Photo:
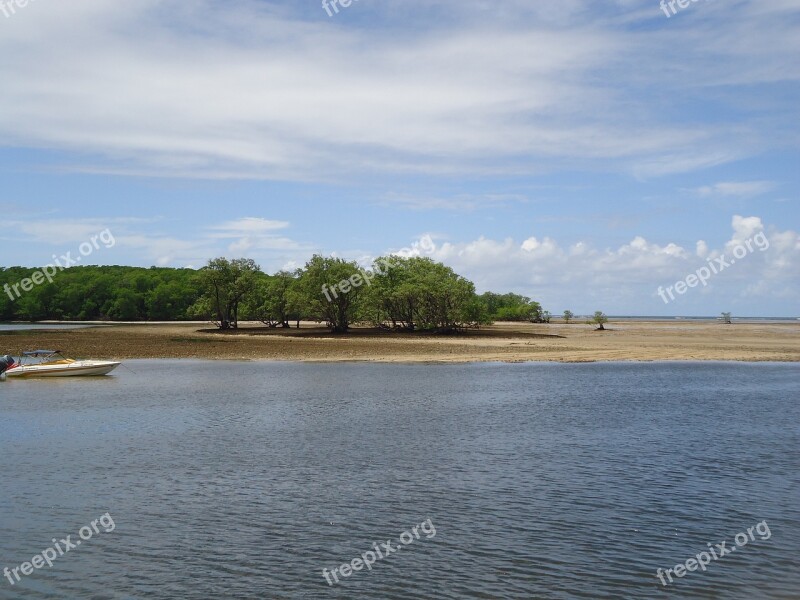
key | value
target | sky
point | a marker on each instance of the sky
(585, 154)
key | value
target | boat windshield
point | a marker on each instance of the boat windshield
(41, 357)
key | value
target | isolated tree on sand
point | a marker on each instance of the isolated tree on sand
(568, 314)
(599, 319)
(726, 318)
(537, 314)
(226, 284)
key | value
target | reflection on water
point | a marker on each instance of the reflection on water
(246, 480)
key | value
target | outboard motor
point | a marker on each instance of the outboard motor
(6, 362)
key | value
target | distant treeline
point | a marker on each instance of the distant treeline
(396, 293)
(100, 293)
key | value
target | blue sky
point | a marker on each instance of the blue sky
(582, 153)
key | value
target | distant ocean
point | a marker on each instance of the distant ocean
(29, 326)
(710, 319)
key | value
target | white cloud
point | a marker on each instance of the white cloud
(745, 227)
(261, 90)
(162, 250)
(626, 278)
(248, 226)
(137, 241)
(459, 203)
(65, 231)
(255, 234)
(740, 189)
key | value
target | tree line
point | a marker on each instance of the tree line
(90, 293)
(396, 293)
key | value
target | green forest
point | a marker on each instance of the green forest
(409, 294)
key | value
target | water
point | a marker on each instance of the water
(39, 326)
(245, 480)
(717, 319)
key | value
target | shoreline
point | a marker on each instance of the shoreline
(623, 341)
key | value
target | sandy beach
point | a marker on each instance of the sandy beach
(504, 342)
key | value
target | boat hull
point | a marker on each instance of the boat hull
(76, 369)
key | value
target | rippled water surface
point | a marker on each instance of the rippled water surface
(245, 480)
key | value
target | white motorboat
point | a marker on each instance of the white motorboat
(53, 364)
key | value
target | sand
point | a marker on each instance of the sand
(504, 342)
